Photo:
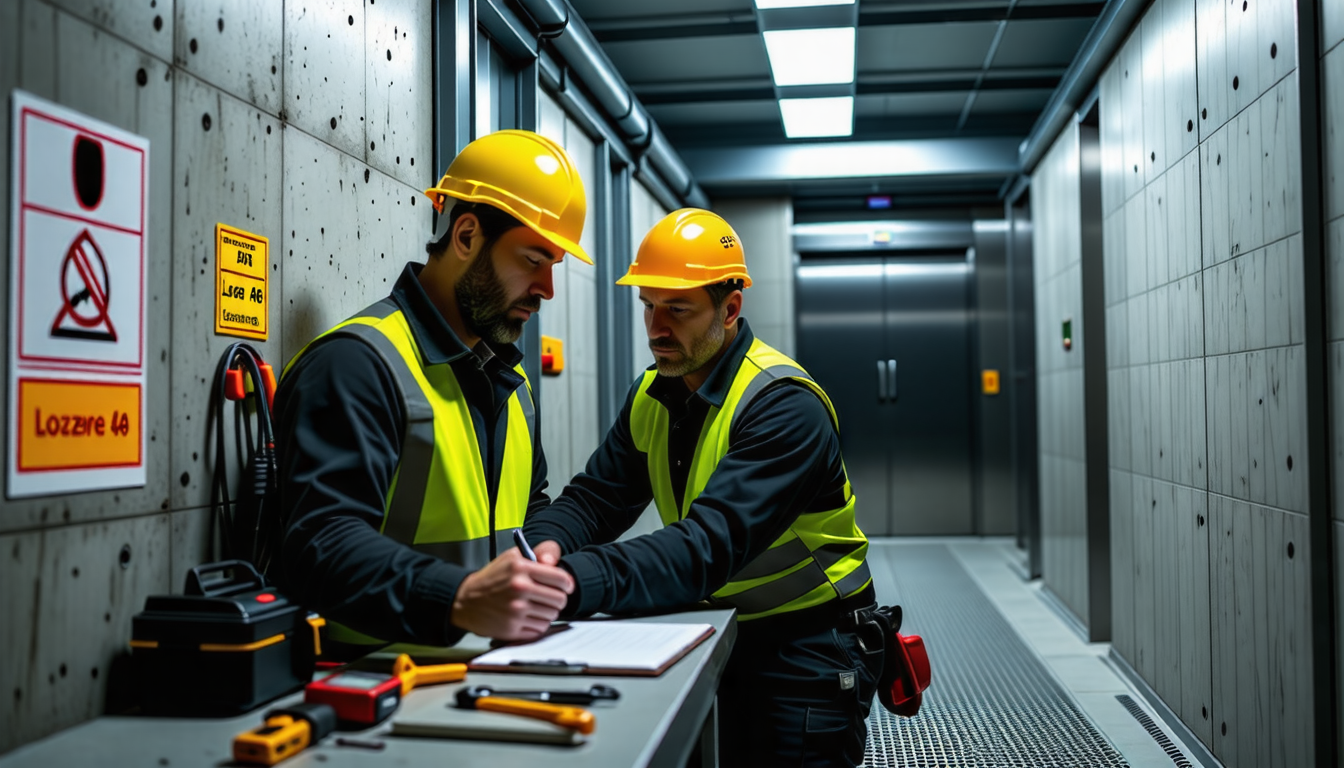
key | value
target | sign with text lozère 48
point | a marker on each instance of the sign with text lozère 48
(77, 302)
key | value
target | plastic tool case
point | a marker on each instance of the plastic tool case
(228, 645)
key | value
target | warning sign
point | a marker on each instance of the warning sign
(241, 286)
(61, 428)
(77, 302)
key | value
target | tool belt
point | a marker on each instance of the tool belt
(905, 671)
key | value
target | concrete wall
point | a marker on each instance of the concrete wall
(309, 123)
(1201, 140)
(1058, 253)
(1332, 89)
(765, 226)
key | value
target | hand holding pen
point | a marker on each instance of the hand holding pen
(511, 598)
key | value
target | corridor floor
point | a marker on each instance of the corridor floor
(1013, 683)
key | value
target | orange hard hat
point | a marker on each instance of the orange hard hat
(687, 249)
(527, 176)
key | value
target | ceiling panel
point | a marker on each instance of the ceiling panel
(1041, 42)
(715, 113)
(910, 104)
(690, 58)
(601, 10)
(924, 47)
(1010, 101)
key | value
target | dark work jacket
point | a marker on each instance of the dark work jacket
(339, 427)
(783, 459)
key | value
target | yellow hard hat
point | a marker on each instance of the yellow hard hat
(527, 176)
(687, 249)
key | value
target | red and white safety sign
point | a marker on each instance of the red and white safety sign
(77, 302)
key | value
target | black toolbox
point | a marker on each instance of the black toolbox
(230, 644)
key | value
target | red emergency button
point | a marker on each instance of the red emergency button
(266, 597)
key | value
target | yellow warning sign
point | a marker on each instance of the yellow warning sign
(77, 425)
(241, 283)
(989, 381)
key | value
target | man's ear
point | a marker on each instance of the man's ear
(466, 234)
(732, 307)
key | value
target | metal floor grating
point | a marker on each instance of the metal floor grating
(993, 704)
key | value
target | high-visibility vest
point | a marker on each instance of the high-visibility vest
(439, 502)
(821, 557)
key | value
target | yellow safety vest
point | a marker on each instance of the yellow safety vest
(438, 502)
(820, 558)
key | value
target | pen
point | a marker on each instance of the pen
(523, 545)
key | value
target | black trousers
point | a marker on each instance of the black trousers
(796, 698)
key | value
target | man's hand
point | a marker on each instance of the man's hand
(511, 598)
(547, 552)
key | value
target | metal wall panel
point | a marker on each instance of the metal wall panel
(1131, 95)
(399, 54)
(62, 58)
(1213, 79)
(79, 599)
(1332, 129)
(1152, 31)
(1112, 133)
(147, 26)
(1332, 24)
(1281, 151)
(226, 173)
(1122, 561)
(238, 48)
(325, 67)
(1337, 435)
(1215, 179)
(1179, 84)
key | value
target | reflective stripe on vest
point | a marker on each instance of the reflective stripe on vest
(439, 502)
(822, 555)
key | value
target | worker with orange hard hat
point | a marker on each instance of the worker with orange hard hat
(739, 449)
(407, 434)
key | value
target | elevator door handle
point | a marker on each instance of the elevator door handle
(892, 390)
(881, 381)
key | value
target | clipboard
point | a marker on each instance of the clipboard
(620, 648)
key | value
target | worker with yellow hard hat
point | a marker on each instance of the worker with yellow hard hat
(739, 449)
(407, 434)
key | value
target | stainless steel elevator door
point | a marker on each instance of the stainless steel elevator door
(889, 339)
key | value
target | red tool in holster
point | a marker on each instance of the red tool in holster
(905, 671)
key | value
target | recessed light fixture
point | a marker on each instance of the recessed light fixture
(814, 118)
(811, 56)
(766, 5)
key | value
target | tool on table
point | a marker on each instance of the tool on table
(229, 644)
(364, 699)
(596, 692)
(359, 698)
(287, 732)
(575, 718)
(413, 676)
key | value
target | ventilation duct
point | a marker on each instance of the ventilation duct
(589, 65)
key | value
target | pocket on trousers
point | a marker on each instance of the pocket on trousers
(829, 739)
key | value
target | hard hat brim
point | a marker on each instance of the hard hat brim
(563, 243)
(676, 283)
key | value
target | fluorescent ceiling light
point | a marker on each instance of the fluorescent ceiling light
(766, 5)
(808, 118)
(811, 56)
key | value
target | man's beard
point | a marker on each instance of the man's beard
(485, 305)
(703, 349)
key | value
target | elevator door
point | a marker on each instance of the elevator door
(889, 339)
